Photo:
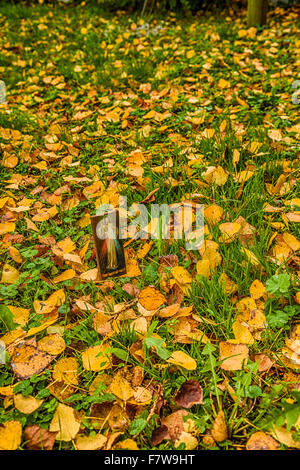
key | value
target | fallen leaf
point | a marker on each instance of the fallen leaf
(257, 289)
(261, 441)
(52, 344)
(182, 359)
(27, 360)
(26, 404)
(151, 299)
(83, 442)
(96, 358)
(233, 356)
(10, 435)
(38, 438)
(9, 274)
(64, 423)
(219, 430)
(189, 394)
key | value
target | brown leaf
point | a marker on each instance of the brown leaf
(159, 435)
(264, 362)
(174, 423)
(189, 394)
(38, 438)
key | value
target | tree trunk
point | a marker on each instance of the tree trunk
(257, 12)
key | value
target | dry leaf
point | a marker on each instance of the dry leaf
(233, 356)
(151, 299)
(261, 441)
(96, 358)
(52, 344)
(64, 422)
(182, 359)
(27, 404)
(189, 394)
(219, 430)
(27, 360)
(83, 442)
(38, 438)
(10, 435)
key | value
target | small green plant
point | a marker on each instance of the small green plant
(279, 284)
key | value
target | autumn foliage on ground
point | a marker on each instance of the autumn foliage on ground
(190, 349)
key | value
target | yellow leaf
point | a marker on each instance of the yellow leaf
(233, 356)
(213, 214)
(52, 344)
(181, 275)
(169, 311)
(20, 314)
(291, 241)
(121, 387)
(36, 329)
(54, 300)
(235, 156)
(188, 439)
(66, 275)
(10, 161)
(127, 444)
(31, 225)
(84, 221)
(7, 227)
(66, 370)
(9, 274)
(190, 54)
(219, 430)
(282, 435)
(223, 83)
(251, 256)
(208, 133)
(27, 404)
(15, 254)
(6, 391)
(83, 442)
(213, 256)
(96, 358)
(90, 275)
(180, 358)
(203, 268)
(144, 250)
(66, 245)
(254, 146)
(151, 298)
(10, 435)
(257, 289)
(150, 114)
(64, 423)
(229, 231)
(241, 333)
(243, 176)
(275, 134)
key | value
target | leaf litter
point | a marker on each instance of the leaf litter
(189, 350)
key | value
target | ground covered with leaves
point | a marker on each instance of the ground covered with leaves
(190, 349)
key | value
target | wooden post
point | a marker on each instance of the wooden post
(257, 12)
